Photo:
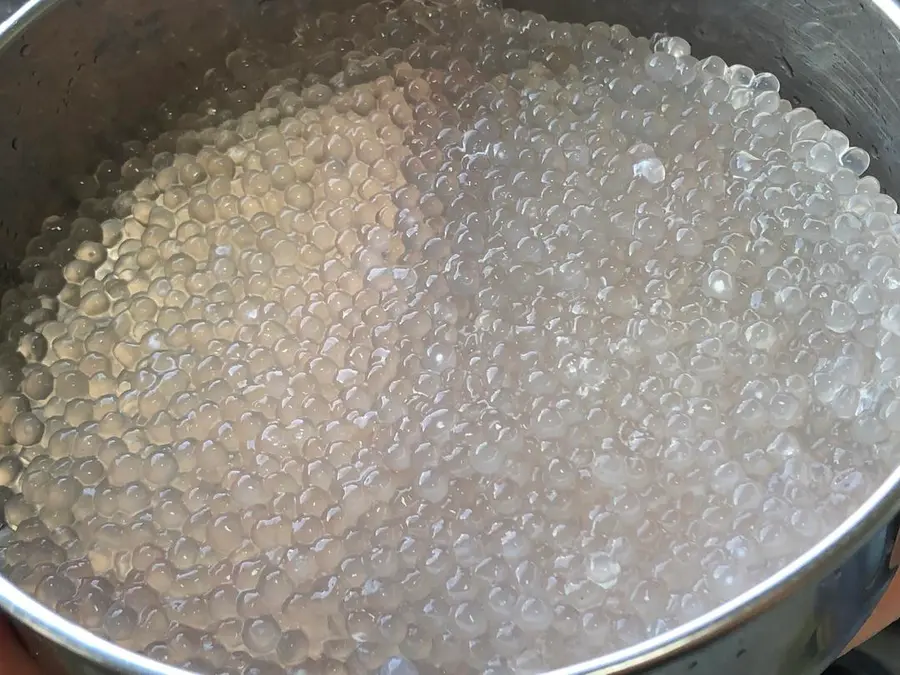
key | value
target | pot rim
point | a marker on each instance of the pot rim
(843, 541)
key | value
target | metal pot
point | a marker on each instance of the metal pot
(78, 76)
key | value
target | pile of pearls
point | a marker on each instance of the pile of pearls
(448, 340)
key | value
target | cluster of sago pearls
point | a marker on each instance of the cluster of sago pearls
(453, 340)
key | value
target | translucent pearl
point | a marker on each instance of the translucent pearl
(719, 285)
(603, 570)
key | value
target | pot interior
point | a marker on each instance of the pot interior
(69, 98)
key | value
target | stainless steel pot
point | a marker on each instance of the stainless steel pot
(78, 76)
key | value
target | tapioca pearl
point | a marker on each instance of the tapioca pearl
(174, 199)
(134, 498)
(299, 196)
(160, 468)
(283, 176)
(89, 471)
(124, 469)
(27, 429)
(67, 348)
(16, 510)
(71, 384)
(11, 468)
(261, 635)
(227, 205)
(293, 647)
(77, 271)
(225, 533)
(54, 590)
(218, 189)
(37, 382)
(62, 492)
